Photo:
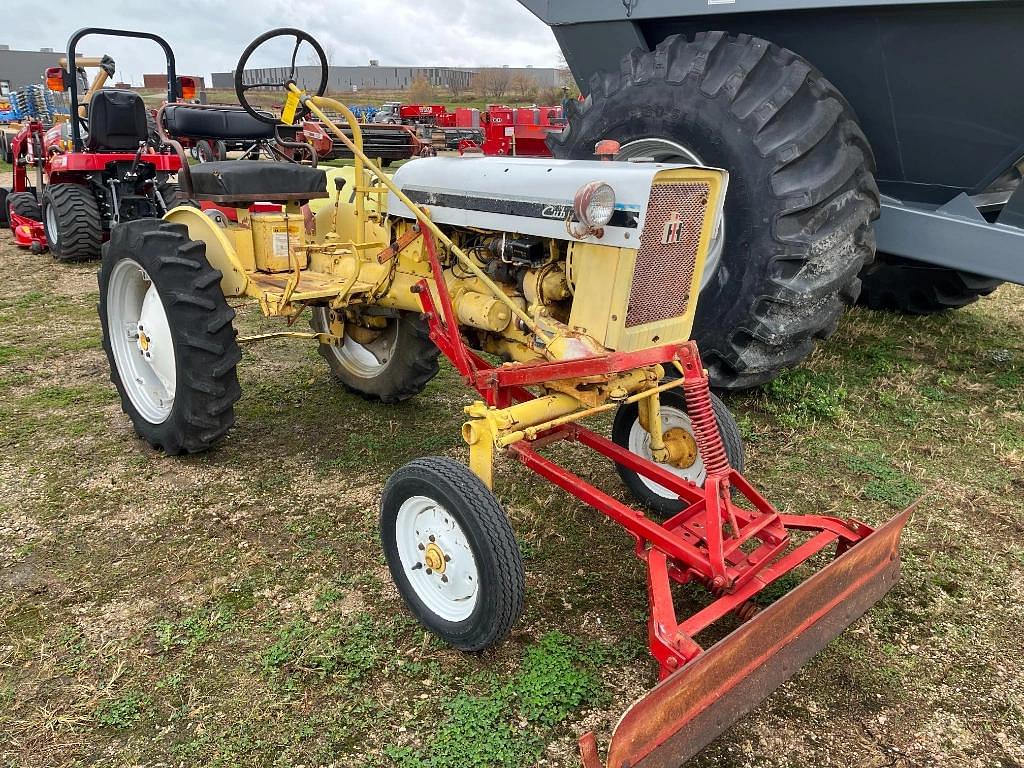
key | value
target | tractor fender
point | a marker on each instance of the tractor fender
(220, 251)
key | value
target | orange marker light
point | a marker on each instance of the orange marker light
(55, 78)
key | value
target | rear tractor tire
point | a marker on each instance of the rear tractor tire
(168, 335)
(390, 365)
(901, 285)
(5, 219)
(72, 222)
(627, 433)
(452, 553)
(801, 198)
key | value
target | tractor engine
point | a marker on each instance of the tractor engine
(606, 256)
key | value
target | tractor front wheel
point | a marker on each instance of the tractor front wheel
(390, 364)
(629, 434)
(71, 220)
(452, 553)
(24, 204)
(168, 336)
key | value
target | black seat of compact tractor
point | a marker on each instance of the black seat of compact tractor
(215, 123)
(247, 181)
(117, 121)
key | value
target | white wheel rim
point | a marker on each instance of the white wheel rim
(423, 527)
(640, 444)
(52, 233)
(665, 151)
(140, 338)
(363, 360)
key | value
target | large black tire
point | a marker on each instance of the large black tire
(801, 195)
(24, 204)
(901, 285)
(206, 352)
(408, 359)
(4, 218)
(501, 584)
(71, 220)
(656, 498)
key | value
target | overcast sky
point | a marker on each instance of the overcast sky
(209, 35)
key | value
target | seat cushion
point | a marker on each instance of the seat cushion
(250, 180)
(117, 121)
(232, 123)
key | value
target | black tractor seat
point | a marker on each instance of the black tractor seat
(117, 121)
(201, 122)
(249, 181)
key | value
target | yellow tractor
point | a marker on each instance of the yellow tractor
(559, 290)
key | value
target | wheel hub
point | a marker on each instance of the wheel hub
(434, 558)
(437, 558)
(682, 448)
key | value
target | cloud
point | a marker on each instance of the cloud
(209, 35)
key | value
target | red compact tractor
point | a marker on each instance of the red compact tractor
(77, 180)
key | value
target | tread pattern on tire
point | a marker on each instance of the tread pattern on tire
(25, 204)
(78, 220)
(201, 325)
(896, 284)
(509, 587)
(816, 180)
(412, 367)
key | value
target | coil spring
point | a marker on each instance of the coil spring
(705, 427)
(744, 612)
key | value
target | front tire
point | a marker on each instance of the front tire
(801, 195)
(452, 553)
(24, 204)
(395, 365)
(168, 336)
(902, 285)
(627, 433)
(71, 220)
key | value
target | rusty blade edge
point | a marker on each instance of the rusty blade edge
(694, 706)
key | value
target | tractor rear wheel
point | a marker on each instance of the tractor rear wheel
(801, 196)
(168, 336)
(627, 433)
(391, 364)
(452, 553)
(71, 220)
(24, 204)
(902, 285)
(4, 217)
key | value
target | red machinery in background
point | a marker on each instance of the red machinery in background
(498, 130)
(77, 180)
(517, 132)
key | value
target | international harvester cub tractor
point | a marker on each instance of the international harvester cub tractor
(582, 276)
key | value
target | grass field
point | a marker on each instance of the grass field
(234, 608)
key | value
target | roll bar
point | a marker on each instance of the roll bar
(172, 75)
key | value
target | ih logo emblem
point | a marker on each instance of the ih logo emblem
(675, 229)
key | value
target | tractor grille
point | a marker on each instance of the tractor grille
(668, 252)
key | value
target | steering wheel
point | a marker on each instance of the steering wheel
(300, 37)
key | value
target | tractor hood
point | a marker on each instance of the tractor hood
(529, 196)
